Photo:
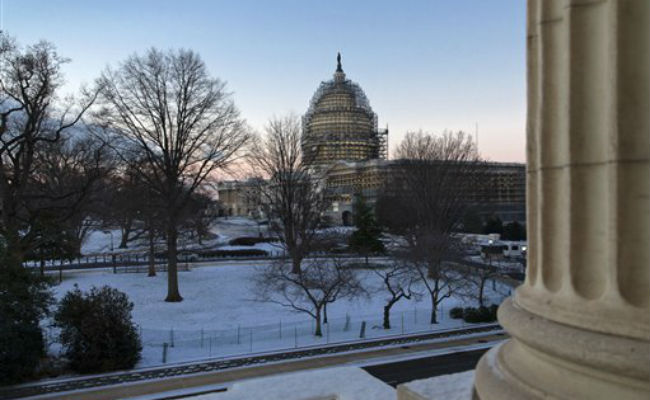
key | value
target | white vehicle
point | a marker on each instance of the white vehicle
(515, 249)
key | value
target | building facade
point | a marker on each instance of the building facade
(240, 198)
(502, 194)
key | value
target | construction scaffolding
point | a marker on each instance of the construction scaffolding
(340, 124)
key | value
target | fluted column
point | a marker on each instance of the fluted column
(580, 323)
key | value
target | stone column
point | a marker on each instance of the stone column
(580, 323)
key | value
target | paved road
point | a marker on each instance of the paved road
(406, 371)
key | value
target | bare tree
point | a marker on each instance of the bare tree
(292, 196)
(68, 175)
(397, 283)
(31, 118)
(166, 107)
(477, 278)
(198, 216)
(124, 201)
(430, 191)
(321, 282)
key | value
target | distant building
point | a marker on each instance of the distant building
(240, 198)
(503, 196)
(341, 138)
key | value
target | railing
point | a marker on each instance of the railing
(176, 344)
(134, 260)
(106, 261)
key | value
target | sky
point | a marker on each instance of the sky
(433, 65)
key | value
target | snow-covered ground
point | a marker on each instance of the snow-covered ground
(345, 383)
(218, 316)
(272, 248)
(224, 229)
(233, 227)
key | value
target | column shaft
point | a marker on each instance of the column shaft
(580, 323)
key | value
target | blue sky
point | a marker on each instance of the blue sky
(431, 65)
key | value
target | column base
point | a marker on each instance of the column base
(547, 360)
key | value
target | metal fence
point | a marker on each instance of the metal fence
(176, 344)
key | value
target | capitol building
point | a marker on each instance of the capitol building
(340, 124)
(341, 140)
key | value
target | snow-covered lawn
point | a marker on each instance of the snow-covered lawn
(99, 241)
(218, 316)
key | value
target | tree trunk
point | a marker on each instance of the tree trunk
(325, 313)
(14, 251)
(387, 315)
(126, 230)
(152, 255)
(295, 265)
(173, 294)
(480, 292)
(318, 331)
(434, 312)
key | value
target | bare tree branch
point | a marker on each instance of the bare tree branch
(166, 107)
(424, 202)
(292, 195)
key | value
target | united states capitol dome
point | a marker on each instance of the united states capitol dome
(340, 124)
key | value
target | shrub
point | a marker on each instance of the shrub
(21, 348)
(493, 311)
(191, 255)
(233, 253)
(480, 314)
(24, 300)
(97, 332)
(456, 313)
(251, 240)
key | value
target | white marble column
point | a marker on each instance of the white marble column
(580, 323)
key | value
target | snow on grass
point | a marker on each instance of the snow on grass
(239, 221)
(225, 229)
(99, 241)
(233, 227)
(218, 316)
(272, 248)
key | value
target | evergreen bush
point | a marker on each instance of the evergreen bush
(251, 240)
(97, 331)
(480, 314)
(366, 239)
(24, 300)
(456, 313)
(233, 253)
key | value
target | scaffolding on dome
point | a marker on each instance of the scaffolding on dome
(329, 143)
(382, 137)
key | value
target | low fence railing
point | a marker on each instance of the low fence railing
(176, 344)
